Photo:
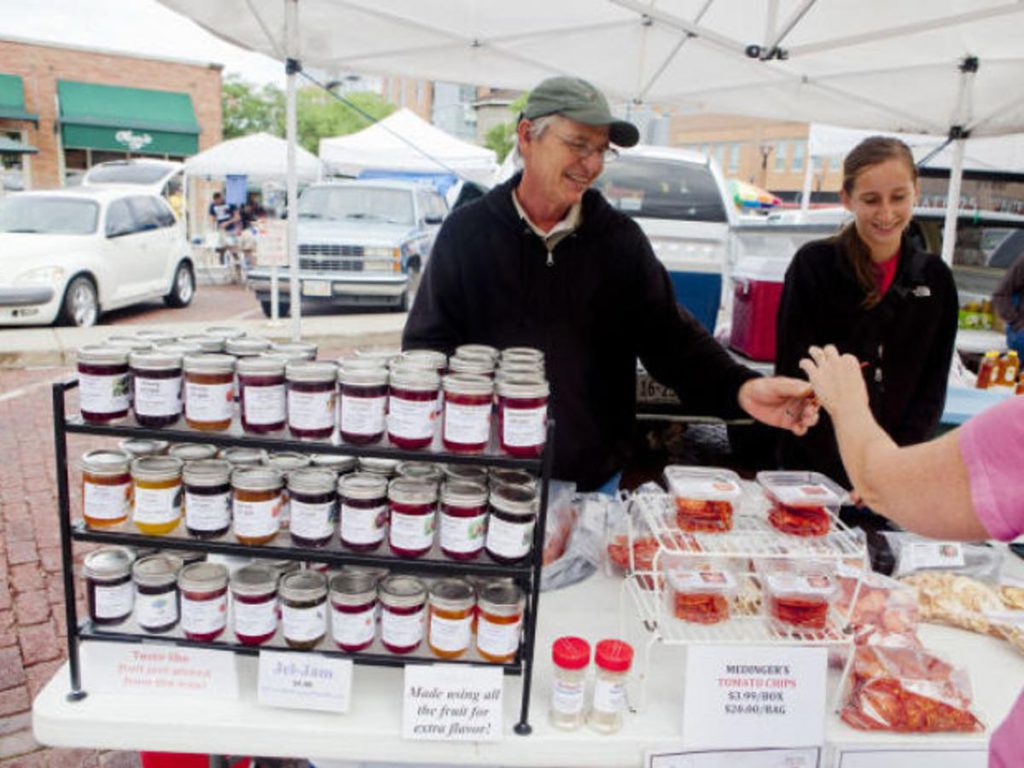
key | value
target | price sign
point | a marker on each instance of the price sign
(271, 243)
(304, 681)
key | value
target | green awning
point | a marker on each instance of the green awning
(15, 147)
(136, 120)
(12, 99)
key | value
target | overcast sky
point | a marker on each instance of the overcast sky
(131, 26)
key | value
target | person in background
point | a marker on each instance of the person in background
(1006, 300)
(871, 293)
(544, 261)
(963, 485)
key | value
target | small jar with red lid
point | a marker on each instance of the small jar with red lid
(204, 600)
(412, 405)
(363, 403)
(313, 506)
(261, 394)
(522, 416)
(403, 601)
(363, 503)
(571, 657)
(613, 659)
(312, 392)
(254, 608)
(510, 526)
(353, 610)
(463, 519)
(104, 385)
(156, 387)
(468, 403)
(412, 508)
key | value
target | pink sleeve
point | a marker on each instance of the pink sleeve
(992, 447)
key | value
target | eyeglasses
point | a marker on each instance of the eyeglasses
(582, 150)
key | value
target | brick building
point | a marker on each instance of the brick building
(63, 109)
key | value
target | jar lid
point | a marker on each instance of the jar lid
(414, 378)
(306, 349)
(383, 354)
(376, 573)
(500, 599)
(248, 346)
(107, 563)
(180, 348)
(405, 490)
(528, 387)
(402, 591)
(244, 457)
(312, 480)
(156, 570)
(202, 577)
(463, 493)
(452, 594)
(155, 336)
(155, 360)
(210, 362)
(260, 366)
(193, 451)
(522, 353)
(425, 358)
(419, 470)
(280, 567)
(206, 473)
(126, 342)
(318, 372)
(97, 354)
(336, 462)
(613, 655)
(467, 472)
(254, 579)
(105, 462)
(570, 652)
(187, 556)
(138, 447)
(257, 479)
(478, 366)
(468, 384)
(476, 350)
(286, 461)
(225, 331)
(284, 357)
(353, 587)
(365, 376)
(519, 370)
(363, 485)
(206, 342)
(303, 586)
(385, 467)
(521, 477)
(156, 468)
(516, 500)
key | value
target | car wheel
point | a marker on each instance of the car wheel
(183, 289)
(268, 311)
(411, 289)
(81, 305)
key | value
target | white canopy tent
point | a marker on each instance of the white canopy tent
(403, 141)
(259, 156)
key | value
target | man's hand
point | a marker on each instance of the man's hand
(780, 401)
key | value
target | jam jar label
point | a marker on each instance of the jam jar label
(254, 619)
(352, 629)
(103, 394)
(497, 639)
(411, 531)
(157, 397)
(158, 610)
(363, 526)
(264, 405)
(450, 635)
(113, 602)
(204, 617)
(401, 630)
(411, 419)
(106, 502)
(311, 521)
(154, 506)
(463, 534)
(524, 427)
(310, 410)
(362, 415)
(254, 519)
(207, 513)
(511, 540)
(208, 402)
(304, 624)
(467, 424)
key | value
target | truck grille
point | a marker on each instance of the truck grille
(330, 265)
(326, 249)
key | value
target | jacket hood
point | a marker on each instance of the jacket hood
(596, 210)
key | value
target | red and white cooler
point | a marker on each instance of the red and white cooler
(757, 291)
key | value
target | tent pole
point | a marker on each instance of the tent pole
(291, 21)
(956, 172)
(805, 195)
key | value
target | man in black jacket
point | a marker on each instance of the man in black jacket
(544, 261)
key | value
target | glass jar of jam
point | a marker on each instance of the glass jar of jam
(207, 497)
(304, 609)
(412, 507)
(474, 366)
(402, 610)
(468, 402)
(262, 400)
(254, 607)
(353, 610)
(209, 391)
(297, 350)
(363, 499)
(312, 399)
(499, 622)
(204, 600)
(510, 525)
(463, 519)
(412, 405)
(364, 393)
(286, 462)
(449, 626)
(138, 448)
(244, 457)
(256, 504)
(104, 388)
(499, 477)
(522, 416)
(481, 351)
(192, 451)
(156, 387)
(384, 467)
(108, 585)
(313, 498)
(156, 592)
(426, 471)
(335, 462)
(156, 494)
(106, 488)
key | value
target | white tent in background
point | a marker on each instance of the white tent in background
(403, 141)
(259, 156)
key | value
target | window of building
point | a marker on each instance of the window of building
(799, 148)
(781, 150)
(836, 161)
(734, 157)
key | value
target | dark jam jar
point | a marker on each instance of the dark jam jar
(412, 508)
(511, 522)
(254, 603)
(403, 601)
(363, 499)
(463, 519)
(468, 402)
(522, 416)
(261, 396)
(104, 388)
(156, 592)
(256, 501)
(286, 462)
(156, 387)
(412, 406)
(364, 394)
(304, 609)
(108, 585)
(207, 501)
(313, 502)
(204, 600)
(353, 610)
(312, 391)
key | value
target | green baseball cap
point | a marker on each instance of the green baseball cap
(578, 100)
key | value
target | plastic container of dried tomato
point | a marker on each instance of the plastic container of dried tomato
(706, 498)
(802, 503)
(799, 599)
(699, 595)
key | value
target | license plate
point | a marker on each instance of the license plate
(316, 288)
(652, 392)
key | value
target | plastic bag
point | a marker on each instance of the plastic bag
(884, 606)
(916, 554)
(621, 559)
(959, 601)
(583, 549)
(562, 514)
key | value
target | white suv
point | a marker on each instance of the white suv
(67, 255)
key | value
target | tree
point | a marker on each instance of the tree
(502, 136)
(321, 114)
(248, 108)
